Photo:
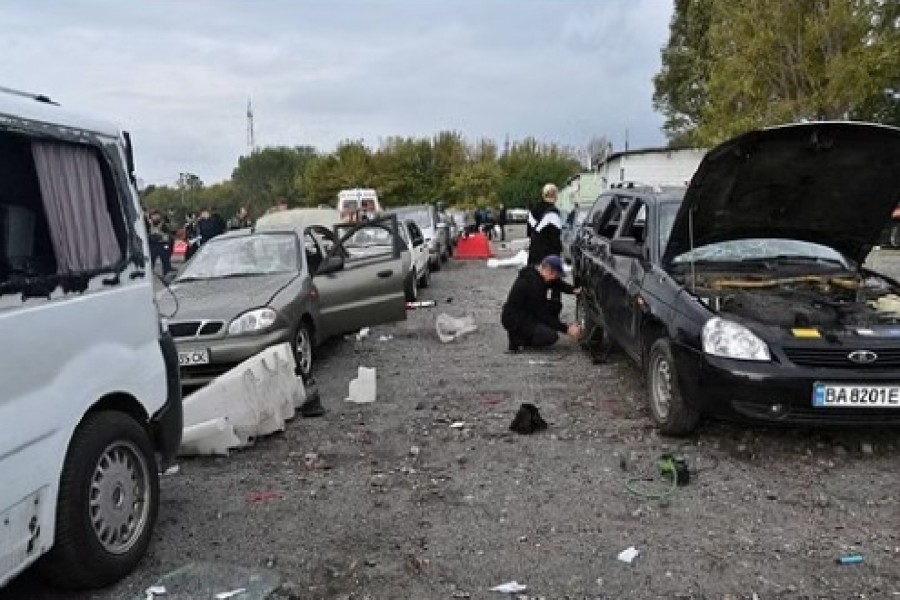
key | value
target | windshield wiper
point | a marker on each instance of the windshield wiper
(796, 258)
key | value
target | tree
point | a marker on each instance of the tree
(681, 86)
(269, 174)
(598, 150)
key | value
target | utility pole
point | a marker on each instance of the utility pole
(251, 142)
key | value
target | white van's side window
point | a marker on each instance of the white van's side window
(63, 219)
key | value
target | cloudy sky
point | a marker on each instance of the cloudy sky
(178, 74)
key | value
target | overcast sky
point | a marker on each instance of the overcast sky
(177, 74)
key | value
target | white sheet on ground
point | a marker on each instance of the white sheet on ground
(450, 328)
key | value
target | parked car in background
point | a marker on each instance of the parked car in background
(292, 279)
(90, 405)
(420, 267)
(436, 233)
(571, 224)
(745, 297)
(517, 215)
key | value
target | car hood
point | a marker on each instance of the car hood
(833, 183)
(221, 299)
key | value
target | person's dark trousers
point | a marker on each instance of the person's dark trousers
(543, 336)
(502, 232)
(164, 253)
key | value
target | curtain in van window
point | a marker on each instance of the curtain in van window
(74, 198)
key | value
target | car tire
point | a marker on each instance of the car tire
(425, 280)
(668, 408)
(894, 239)
(107, 504)
(412, 287)
(435, 265)
(593, 331)
(303, 350)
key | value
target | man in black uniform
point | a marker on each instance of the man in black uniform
(530, 316)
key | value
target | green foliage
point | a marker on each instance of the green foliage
(404, 171)
(734, 65)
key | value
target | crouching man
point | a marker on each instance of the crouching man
(531, 314)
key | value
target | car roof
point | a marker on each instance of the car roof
(297, 219)
(40, 109)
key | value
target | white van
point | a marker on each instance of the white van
(352, 202)
(89, 390)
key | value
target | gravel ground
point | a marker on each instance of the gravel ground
(396, 503)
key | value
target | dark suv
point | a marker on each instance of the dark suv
(744, 295)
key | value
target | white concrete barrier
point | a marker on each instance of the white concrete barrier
(253, 399)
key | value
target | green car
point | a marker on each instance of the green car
(296, 277)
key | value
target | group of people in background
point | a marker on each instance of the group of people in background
(487, 221)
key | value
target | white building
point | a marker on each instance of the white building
(651, 166)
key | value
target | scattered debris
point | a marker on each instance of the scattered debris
(385, 338)
(363, 334)
(209, 579)
(155, 590)
(420, 304)
(173, 470)
(314, 462)
(414, 451)
(363, 388)
(628, 555)
(538, 362)
(512, 587)
(867, 448)
(528, 420)
(450, 328)
(850, 559)
(457, 425)
(231, 594)
(253, 399)
(262, 496)
(312, 406)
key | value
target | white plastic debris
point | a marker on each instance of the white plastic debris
(173, 470)
(362, 389)
(231, 594)
(253, 399)
(512, 587)
(363, 334)
(628, 554)
(449, 328)
(520, 259)
(155, 590)
(457, 425)
(385, 338)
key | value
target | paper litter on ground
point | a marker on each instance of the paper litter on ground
(628, 554)
(513, 587)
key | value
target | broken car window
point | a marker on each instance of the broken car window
(763, 249)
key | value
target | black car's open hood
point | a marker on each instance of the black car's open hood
(832, 183)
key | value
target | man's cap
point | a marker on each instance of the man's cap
(554, 262)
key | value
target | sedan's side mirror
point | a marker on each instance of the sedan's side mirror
(332, 264)
(626, 246)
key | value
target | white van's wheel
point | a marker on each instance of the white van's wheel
(108, 500)
(425, 280)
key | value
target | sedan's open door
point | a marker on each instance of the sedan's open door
(364, 273)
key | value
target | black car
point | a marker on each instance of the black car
(744, 295)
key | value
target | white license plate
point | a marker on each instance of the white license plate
(839, 395)
(193, 357)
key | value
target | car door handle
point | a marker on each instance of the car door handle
(385, 274)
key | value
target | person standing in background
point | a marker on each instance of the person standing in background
(501, 221)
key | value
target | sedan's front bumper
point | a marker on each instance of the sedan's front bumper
(774, 393)
(226, 353)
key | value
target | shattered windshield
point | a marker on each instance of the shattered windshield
(260, 254)
(369, 237)
(763, 249)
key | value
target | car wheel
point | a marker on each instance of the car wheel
(107, 504)
(303, 351)
(670, 412)
(425, 280)
(436, 265)
(895, 236)
(593, 331)
(412, 287)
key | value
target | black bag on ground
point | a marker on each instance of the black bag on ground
(528, 420)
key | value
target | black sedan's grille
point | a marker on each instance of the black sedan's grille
(839, 358)
(189, 329)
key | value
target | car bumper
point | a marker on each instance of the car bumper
(226, 353)
(774, 393)
(167, 423)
